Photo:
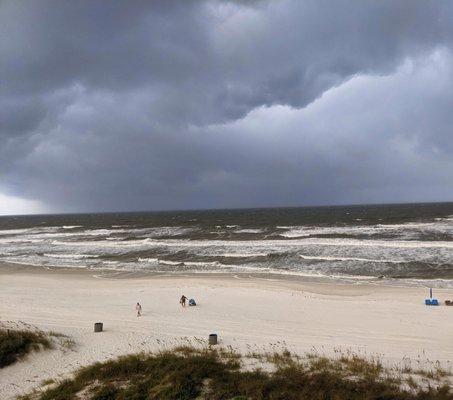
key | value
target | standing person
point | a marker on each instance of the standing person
(138, 307)
(183, 300)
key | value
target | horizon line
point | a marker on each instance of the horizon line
(225, 209)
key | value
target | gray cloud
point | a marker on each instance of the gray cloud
(181, 104)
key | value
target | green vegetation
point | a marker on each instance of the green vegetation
(15, 344)
(220, 374)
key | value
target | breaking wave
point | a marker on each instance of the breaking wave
(414, 243)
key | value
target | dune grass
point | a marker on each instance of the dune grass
(15, 344)
(219, 374)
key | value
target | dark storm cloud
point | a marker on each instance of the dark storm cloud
(180, 104)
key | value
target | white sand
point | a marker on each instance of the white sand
(246, 313)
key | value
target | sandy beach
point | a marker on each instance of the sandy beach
(250, 313)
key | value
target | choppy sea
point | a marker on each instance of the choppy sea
(392, 243)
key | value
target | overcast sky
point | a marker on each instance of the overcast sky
(149, 105)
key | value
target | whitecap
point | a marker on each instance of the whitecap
(243, 255)
(249, 231)
(72, 256)
(167, 262)
(149, 260)
(336, 258)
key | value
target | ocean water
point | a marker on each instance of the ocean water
(392, 243)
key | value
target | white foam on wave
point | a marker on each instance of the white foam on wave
(307, 231)
(70, 256)
(168, 262)
(248, 231)
(156, 232)
(102, 232)
(90, 232)
(170, 231)
(217, 267)
(408, 229)
(254, 244)
(54, 235)
(190, 263)
(203, 263)
(87, 232)
(294, 234)
(148, 236)
(108, 242)
(71, 226)
(149, 260)
(157, 261)
(28, 230)
(13, 231)
(336, 258)
(221, 268)
(409, 244)
(20, 240)
(243, 255)
(447, 219)
(332, 250)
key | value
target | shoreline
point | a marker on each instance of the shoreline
(7, 268)
(249, 313)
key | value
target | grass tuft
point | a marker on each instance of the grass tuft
(15, 344)
(219, 374)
